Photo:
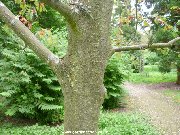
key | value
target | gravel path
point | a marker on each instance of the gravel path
(164, 113)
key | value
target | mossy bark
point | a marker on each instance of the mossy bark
(82, 70)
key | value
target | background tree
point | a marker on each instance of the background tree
(165, 19)
(124, 30)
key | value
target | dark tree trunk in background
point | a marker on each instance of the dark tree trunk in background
(178, 75)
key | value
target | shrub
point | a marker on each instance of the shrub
(166, 56)
(130, 33)
(163, 35)
(30, 87)
(114, 76)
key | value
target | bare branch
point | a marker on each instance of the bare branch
(63, 9)
(143, 47)
(27, 36)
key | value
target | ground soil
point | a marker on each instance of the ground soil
(149, 100)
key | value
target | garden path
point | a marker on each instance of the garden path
(163, 112)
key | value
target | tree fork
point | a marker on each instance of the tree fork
(64, 10)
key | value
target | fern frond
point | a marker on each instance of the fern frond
(45, 106)
(7, 93)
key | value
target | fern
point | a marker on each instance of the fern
(11, 111)
(49, 98)
(113, 78)
(38, 95)
(8, 93)
(45, 106)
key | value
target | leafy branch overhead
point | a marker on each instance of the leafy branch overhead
(28, 37)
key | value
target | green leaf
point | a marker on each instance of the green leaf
(114, 94)
(48, 81)
(38, 95)
(11, 111)
(49, 98)
(45, 106)
(8, 93)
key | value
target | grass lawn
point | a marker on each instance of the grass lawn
(110, 124)
(174, 94)
(151, 75)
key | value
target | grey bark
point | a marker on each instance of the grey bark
(84, 66)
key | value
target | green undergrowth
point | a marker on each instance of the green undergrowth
(109, 124)
(151, 75)
(125, 124)
(174, 94)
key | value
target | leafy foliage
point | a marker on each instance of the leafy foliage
(165, 20)
(37, 14)
(30, 87)
(45, 19)
(163, 35)
(130, 33)
(31, 130)
(115, 74)
(109, 124)
(124, 32)
(152, 75)
(166, 56)
(125, 124)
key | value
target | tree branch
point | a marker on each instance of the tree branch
(28, 37)
(143, 47)
(63, 9)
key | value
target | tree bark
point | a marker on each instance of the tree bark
(83, 68)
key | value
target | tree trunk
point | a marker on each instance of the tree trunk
(178, 75)
(82, 71)
(141, 63)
